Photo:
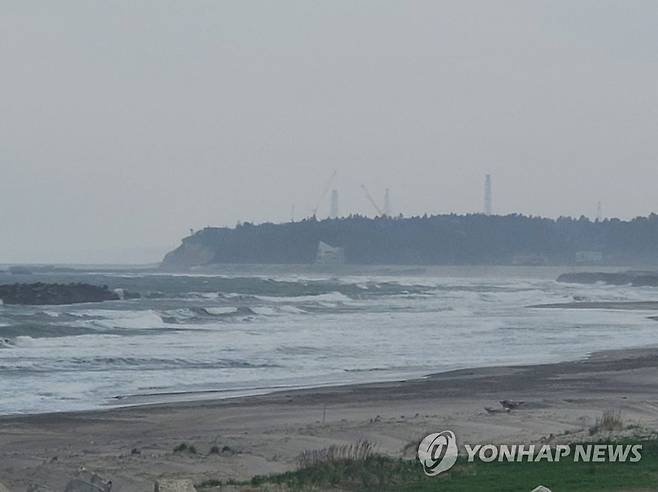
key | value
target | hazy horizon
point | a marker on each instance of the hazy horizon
(125, 125)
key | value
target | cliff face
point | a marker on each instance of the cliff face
(190, 253)
(436, 240)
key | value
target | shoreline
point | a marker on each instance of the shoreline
(216, 395)
(133, 446)
(190, 398)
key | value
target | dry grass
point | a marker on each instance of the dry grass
(610, 421)
(358, 451)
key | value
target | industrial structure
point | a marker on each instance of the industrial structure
(333, 209)
(487, 195)
(327, 185)
(387, 203)
(329, 255)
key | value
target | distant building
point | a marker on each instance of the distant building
(589, 257)
(329, 255)
(529, 260)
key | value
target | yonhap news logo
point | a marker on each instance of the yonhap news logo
(438, 453)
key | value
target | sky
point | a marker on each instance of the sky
(125, 124)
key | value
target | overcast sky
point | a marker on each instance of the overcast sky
(123, 124)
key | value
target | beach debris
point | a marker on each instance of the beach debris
(511, 404)
(86, 481)
(541, 488)
(229, 450)
(3, 488)
(496, 410)
(169, 485)
(508, 406)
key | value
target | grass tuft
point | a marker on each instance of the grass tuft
(610, 421)
(358, 451)
(184, 447)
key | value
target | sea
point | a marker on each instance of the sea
(230, 332)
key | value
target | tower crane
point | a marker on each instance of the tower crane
(372, 201)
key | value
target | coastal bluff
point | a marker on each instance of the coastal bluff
(451, 239)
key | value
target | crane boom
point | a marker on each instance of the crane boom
(324, 192)
(372, 200)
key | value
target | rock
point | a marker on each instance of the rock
(638, 279)
(40, 293)
(511, 404)
(169, 485)
(496, 410)
(86, 481)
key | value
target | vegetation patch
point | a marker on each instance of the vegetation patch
(185, 448)
(325, 470)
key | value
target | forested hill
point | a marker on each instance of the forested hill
(439, 240)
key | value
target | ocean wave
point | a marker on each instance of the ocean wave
(144, 319)
(328, 297)
(39, 330)
(300, 350)
(220, 311)
(265, 310)
(292, 309)
(24, 341)
(155, 363)
(6, 343)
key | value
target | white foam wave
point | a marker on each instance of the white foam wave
(128, 319)
(24, 341)
(264, 310)
(328, 297)
(219, 311)
(291, 310)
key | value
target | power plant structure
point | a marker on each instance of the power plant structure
(387, 203)
(487, 194)
(333, 209)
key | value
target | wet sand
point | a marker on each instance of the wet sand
(264, 434)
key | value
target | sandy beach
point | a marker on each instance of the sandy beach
(264, 434)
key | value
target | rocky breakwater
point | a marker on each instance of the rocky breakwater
(618, 278)
(40, 293)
